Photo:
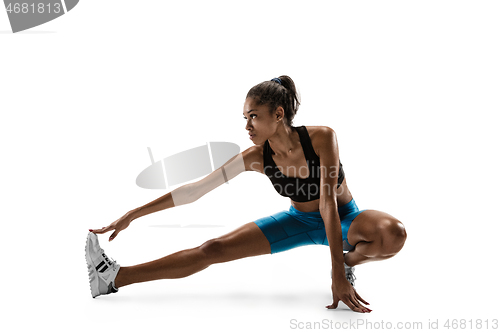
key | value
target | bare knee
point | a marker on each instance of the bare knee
(213, 250)
(393, 237)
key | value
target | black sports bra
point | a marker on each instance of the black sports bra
(298, 189)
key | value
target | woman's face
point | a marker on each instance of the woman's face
(260, 124)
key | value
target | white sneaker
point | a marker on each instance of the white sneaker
(102, 271)
(349, 273)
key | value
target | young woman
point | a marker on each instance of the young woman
(302, 164)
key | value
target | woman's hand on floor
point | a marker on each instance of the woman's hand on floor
(343, 291)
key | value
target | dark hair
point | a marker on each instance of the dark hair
(273, 94)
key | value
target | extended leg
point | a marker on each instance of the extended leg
(376, 236)
(246, 241)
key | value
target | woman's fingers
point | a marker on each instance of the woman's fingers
(359, 297)
(352, 303)
(113, 235)
(102, 230)
(97, 231)
(358, 306)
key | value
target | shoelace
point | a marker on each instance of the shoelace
(349, 274)
(113, 262)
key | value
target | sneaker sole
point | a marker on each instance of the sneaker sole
(93, 278)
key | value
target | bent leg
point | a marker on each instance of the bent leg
(375, 236)
(246, 241)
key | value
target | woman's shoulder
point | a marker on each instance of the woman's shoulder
(319, 133)
(322, 130)
(253, 158)
(319, 136)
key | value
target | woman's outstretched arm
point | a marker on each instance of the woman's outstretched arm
(187, 193)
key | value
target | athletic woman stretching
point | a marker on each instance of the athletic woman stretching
(302, 164)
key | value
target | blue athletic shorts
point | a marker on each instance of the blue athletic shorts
(289, 229)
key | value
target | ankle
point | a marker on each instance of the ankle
(119, 279)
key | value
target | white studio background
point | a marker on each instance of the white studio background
(410, 87)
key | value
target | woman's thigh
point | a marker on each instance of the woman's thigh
(245, 241)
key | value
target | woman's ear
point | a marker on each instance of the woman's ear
(280, 113)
